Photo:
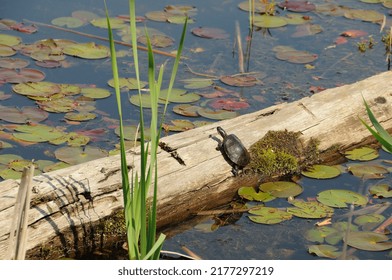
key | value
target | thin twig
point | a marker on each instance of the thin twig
(99, 38)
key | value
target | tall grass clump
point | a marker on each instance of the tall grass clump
(140, 211)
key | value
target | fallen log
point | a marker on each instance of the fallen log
(196, 177)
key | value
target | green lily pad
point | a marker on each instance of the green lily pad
(128, 83)
(364, 15)
(368, 171)
(249, 193)
(382, 190)
(362, 154)
(6, 158)
(373, 219)
(62, 105)
(157, 40)
(369, 241)
(341, 198)
(72, 139)
(115, 23)
(69, 22)
(76, 155)
(96, 93)
(321, 172)
(197, 83)
(239, 81)
(310, 209)
(36, 133)
(9, 40)
(6, 50)
(216, 114)
(22, 115)
(87, 50)
(325, 251)
(130, 133)
(319, 234)
(296, 19)
(266, 21)
(40, 89)
(144, 99)
(258, 6)
(80, 117)
(55, 166)
(281, 188)
(179, 96)
(268, 215)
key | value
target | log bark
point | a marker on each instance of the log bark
(197, 177)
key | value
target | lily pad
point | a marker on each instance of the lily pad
(341, 198)
(239, 81)
(87, 50)
(268, 215)
(143, 99)
(179, 96)
(69, 22)
(296, 56)
(13, 63)
(9, 40)
(325, 251)
(24, 75)
(210, 33)
(216, 114)
(36, 133)
(60, 105)
(369, 219)
(320, 233)
(369, 241)
(267, 21)
(382, 190)
(364, 15)
(179, 125)
(96, 93)
(297, 6)
(22, 115)
(281, 188)
(309, 209)
(6, 50)
(368, 171)
(79, 116)
(76, 155)
(128, 83)
(42, 89)
(157, 40)
(362, 154)
(186, 110)
(229, 104)
(258, 7)
(249, 193)
(196, 83)
(115, 23)
(321, 172)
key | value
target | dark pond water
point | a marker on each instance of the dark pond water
(279, 81)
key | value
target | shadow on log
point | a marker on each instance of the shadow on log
(66, 202)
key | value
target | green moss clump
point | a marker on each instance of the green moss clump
(280, 153)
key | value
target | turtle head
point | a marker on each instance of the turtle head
(221, 131)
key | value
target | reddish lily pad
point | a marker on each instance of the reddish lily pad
(23, 115)
(307, 30)
(210, 33)
(229, 104)
(24, 75)
(354, 33)
(186, 110)
(13, 63)
(239, 81)
(294, 56)
(297, 6)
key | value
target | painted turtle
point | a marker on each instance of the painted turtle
(233, 150)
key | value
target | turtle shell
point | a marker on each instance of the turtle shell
(235, 150)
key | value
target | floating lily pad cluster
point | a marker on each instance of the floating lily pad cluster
(358, 235)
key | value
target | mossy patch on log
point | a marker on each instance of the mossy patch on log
(283, 152)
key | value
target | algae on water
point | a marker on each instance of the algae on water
(282, 152)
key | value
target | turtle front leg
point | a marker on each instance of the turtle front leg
(235, 170)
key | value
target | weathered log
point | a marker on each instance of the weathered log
(196, 177)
